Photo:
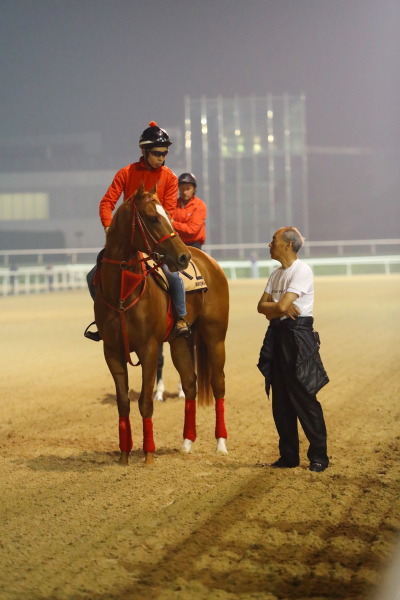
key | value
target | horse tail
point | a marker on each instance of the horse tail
(204, 392)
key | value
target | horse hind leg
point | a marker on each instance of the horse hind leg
(182, 358)
(160, 387)
(221, 433)
(215, 355)
(119, 371)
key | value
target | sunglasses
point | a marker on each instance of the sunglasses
(158, 153)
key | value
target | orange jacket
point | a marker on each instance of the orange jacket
(127, 181)
(190, 220)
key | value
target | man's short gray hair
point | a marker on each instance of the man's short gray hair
(292, 234)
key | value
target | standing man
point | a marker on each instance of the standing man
(289, 358)
(190, 212)
(151, 170)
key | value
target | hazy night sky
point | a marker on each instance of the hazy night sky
(110, 66)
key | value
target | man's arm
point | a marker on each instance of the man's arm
(275, 310)
(170, 195)
(111, 198)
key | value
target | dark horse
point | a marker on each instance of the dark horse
(131, 314)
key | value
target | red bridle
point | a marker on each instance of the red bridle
(146, 234)
(137, 220)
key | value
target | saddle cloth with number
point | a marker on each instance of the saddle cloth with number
(192, 279)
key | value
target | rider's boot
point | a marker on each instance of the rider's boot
(182, 327)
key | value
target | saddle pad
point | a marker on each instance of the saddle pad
(192, 279)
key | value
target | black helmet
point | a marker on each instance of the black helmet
(154, 136)
(188, 178)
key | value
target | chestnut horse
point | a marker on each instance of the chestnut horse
(131, 315)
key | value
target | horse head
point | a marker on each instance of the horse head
(143, 221)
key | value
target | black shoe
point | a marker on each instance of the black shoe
(318, 467)
(93, 335)
(281, 463)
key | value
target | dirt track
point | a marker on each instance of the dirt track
(75, 525)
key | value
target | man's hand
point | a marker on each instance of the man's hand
(285, 306)
(292, 312)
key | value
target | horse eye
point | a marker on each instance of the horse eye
(154, 219)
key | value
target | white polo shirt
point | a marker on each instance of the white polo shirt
(297, 278)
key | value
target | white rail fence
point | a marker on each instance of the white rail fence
(218, 251)
(38, 279)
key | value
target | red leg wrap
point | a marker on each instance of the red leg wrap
(220, 429)
(189, 429)
(148, 441)
(125, 434)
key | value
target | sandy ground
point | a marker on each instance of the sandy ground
(75, 525)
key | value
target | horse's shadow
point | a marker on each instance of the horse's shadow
(85, 461)
(134, 397)
(92, 461)
(112, 400)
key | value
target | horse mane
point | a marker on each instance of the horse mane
(119, 231)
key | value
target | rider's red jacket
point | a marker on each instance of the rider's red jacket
(127, 181)
(190, 220)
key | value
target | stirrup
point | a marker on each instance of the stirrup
(92, 335)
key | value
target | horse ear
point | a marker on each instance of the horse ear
(153, 190)
(139, 192)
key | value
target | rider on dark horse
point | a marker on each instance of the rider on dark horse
(149, 170)
(190, 222)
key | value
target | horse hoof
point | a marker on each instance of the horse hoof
(159, 396)
(187, 446)
(221, 446)
(123, 459)
(181, 393)
(149, 459)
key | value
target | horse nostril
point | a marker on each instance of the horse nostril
(184, 259)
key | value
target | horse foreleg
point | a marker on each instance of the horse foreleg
(148, 360)
(149, 446)
(125, 439)
(183, 361)
(119, 372)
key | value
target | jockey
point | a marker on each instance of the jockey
(190, 213)
(150, 170)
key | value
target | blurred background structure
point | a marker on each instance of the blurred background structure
(287, 113)
(251, 156)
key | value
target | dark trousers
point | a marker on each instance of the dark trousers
(291, 402)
